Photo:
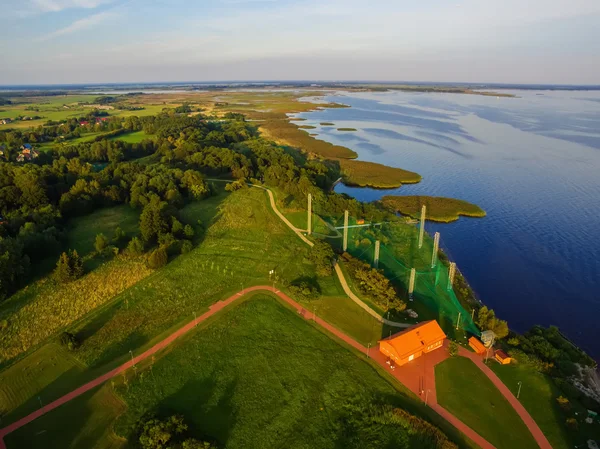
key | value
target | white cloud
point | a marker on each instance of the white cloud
(59, 5)
(78, 25)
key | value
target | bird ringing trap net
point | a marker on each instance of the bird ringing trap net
(401, 249)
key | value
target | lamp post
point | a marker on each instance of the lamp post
(368, 349)
(131, 354)
(519, 391)
(426, 396)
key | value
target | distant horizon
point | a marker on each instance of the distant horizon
(267, 82)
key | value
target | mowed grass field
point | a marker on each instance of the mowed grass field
(538, 395)
(83, 230)
(257, 375)
(466, 392)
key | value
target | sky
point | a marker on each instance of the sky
(479, 41)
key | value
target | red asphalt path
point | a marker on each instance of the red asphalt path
(418, 376)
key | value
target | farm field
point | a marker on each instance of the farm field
(466, 392)
(236, 386)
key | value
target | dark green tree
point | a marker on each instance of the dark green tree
(135, 247)
(322, 255)
(69, 267)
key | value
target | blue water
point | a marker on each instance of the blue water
(532, 162)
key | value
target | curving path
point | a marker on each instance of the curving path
(409, 375)
(374, 354)
(338, 271)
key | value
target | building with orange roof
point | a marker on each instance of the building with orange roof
(477, 345)
(413, 342)
(503, 357)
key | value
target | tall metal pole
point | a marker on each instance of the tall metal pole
(436, 246)
(519, 392)
(458, 320)
(422, 230)
(411, 283)
(309, 226)
(376, 256)
(345, 230)
(369, 348)
(451, 273)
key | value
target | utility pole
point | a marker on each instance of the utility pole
(436, 246)
(422, 230)
(309, 225)
(519, 392)
(345, 230)
(411, 283)
(451, 273)
(376, 257)
(458, 321)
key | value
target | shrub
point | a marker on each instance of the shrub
(135, 247)
(188, 231)
(373, 283)
(305, 288)
(236, 185)
(186, 246)
(158, 258)
(101, 243)
(453, 349)
(564, 403)
(69, 341)
(572, 423)
(119, 235)
(321, 255)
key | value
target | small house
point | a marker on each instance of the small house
(412, 343)
(477, 345)
(84, 123)
(503, 357)
(5, 121)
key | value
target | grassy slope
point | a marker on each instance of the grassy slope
(256, 375)
(466, 392)
(538, 396)
(438, 208)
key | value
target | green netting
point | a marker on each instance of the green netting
(433, 297)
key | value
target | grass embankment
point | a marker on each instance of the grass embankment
(466, 392)
(254, 376)
(538, 396)
(439, 209)
(243, 241)
(371, 174)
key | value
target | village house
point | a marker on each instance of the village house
(5, 121)
(27, 153)
(412, 343)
